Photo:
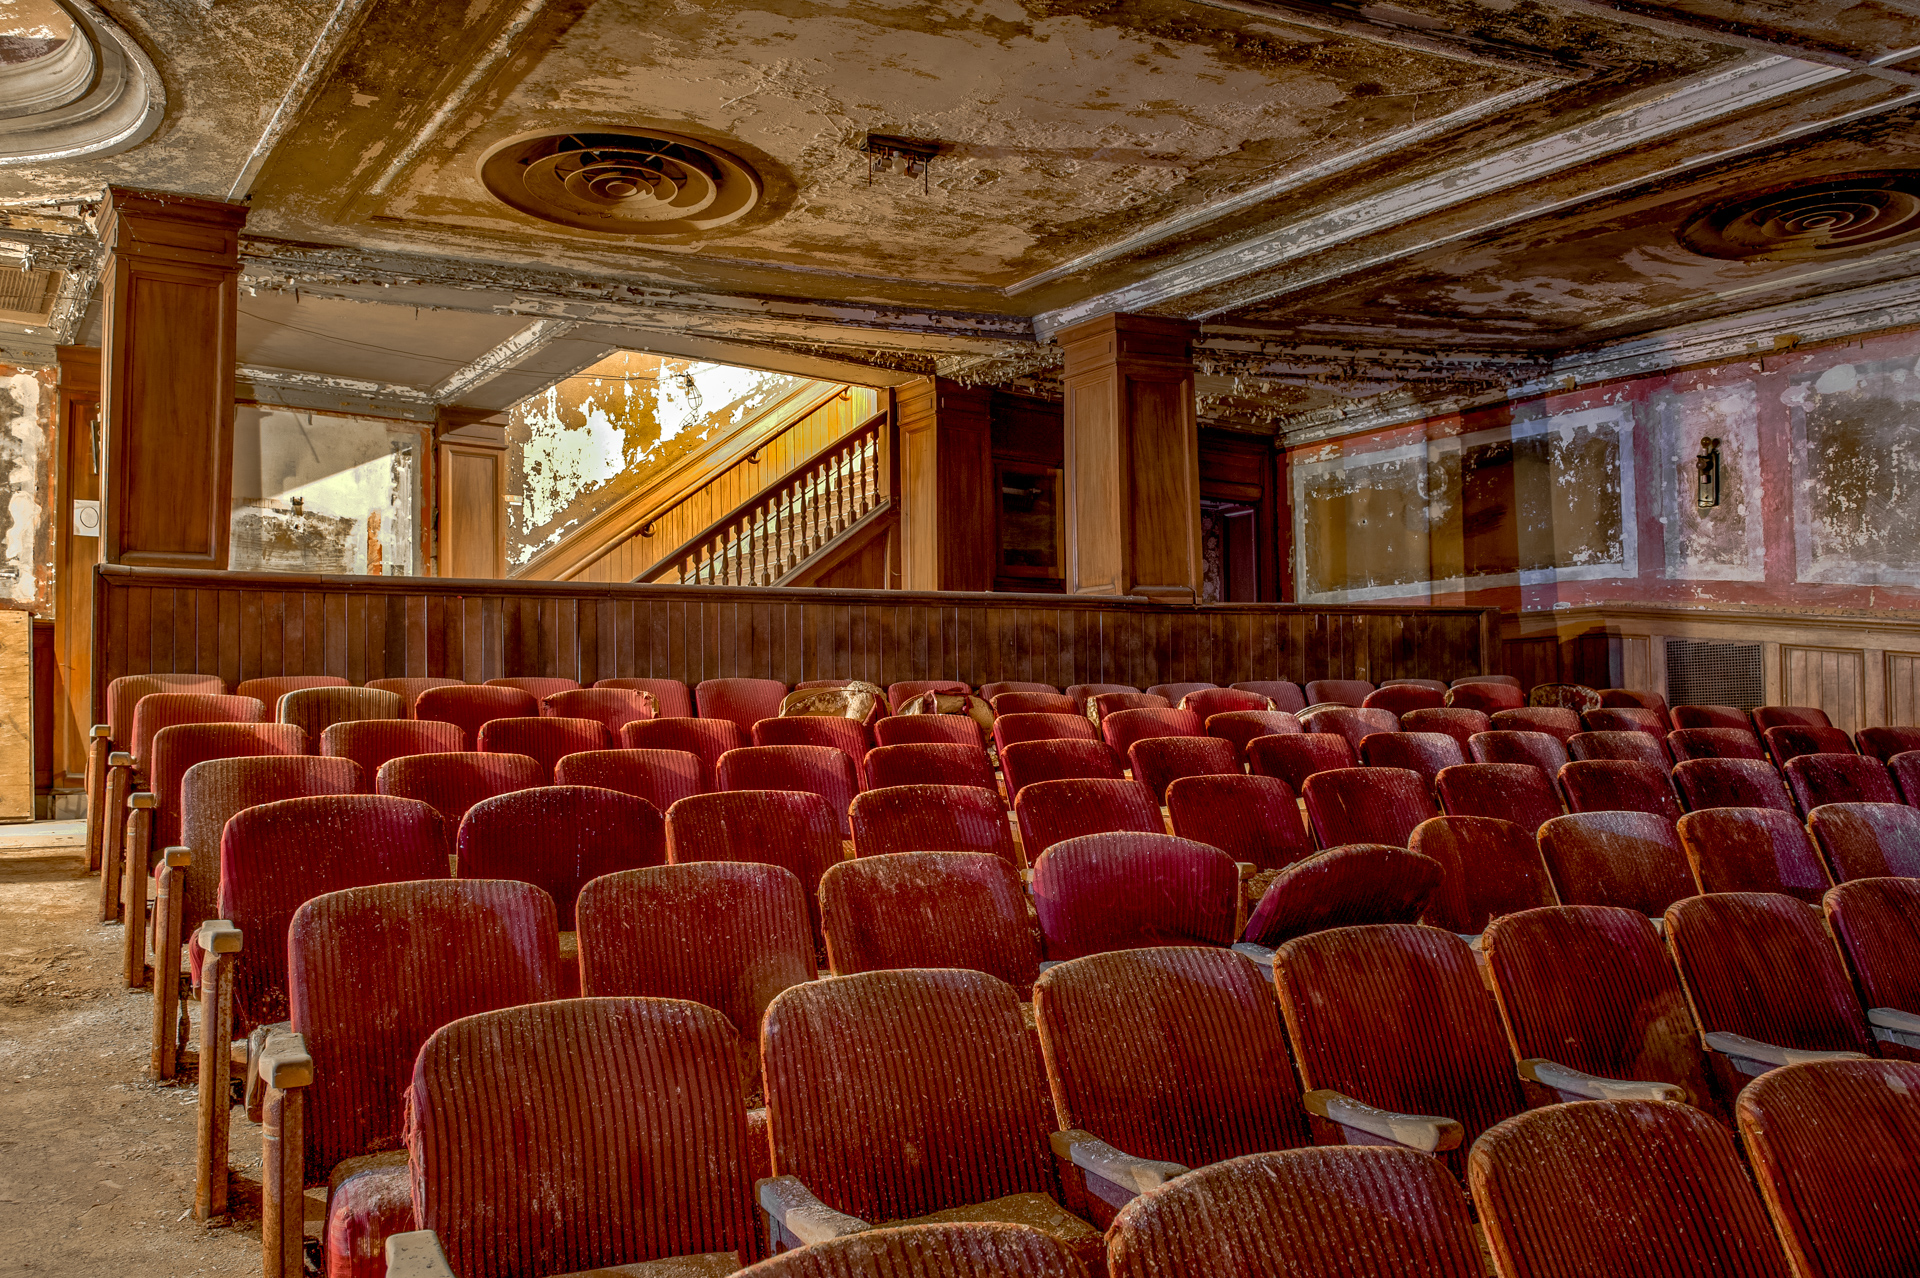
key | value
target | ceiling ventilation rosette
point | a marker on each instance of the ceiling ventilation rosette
(622, 182)
(1809, 219)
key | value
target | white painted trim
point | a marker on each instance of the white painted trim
(295, 380)
(320, 58)
(501, 359)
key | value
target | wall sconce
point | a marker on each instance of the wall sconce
(1707, 466)
(909, 157)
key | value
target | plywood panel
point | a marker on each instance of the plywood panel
(1833, 679)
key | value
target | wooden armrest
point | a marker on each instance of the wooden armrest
(99, 732)
(1260, 954)
(217, 936)
(146, 800)
(1474, 941)
(1425, 1132)
(284, 1063)
(795, 1210)
(179, 858)
(1891, 1025)
(1047, 965)
(120, 759)
(1247, 869)
(1573, 1085)
(416, 1254)
(1091, 1154)
(1752, 1057)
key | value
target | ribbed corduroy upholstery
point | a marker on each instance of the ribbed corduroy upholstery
(1083, 692)
(612, 708)
(1351, 722)
(167, 709)
(1554, 721)
(370, 743)
(541, 687)
(1367, 805)
(124, 693)
(1790, 742)
(1103, 704)
(1219, 1087)
(1123, 891)
(468, 706)
(1591, 987)
(1435, 685)
(270, 690)
(1511, 681)
(1711, 717)
(674, 699)
(1624, 1189)
(1484, 697)
(560, 838)
(1632, 860)
(1714, 743)
(1124, 727)
(1765, 717)
(1208, 702)
(1877, 925)
(1731, 783)
(929, 729)
(1630, 698)
(1884, 743)
(929, 764)
(1905, 770)
(1817, 779)
(1339, 692)
(1488, 867)
(314, 710)
(629, 1137)
(1422, 752)
(1177, 692)
(930, 1251)
(1832, 1145)
(1516, 792)
(1867, 840)
(1160, 761)
(1509, 745)
(729, 935)
(1050, 811)
(1457, 722)
(409, 690)
(895, 1094)
(1027, 762)
(707, 739)
(371, 971)
(1284, 693)
(1295, 756)
(452, 783)
(932, 818)
(1242, 726)
(929, 909)
(898, 694)
(1251, 819)
(767, 827)
(1034, 703)
(1646, 747)
(1752, 849)
(1396, 1016)
(1300, 1213)
(546, 741)
(661, 777)
(1396, 699)
(277, 856)
(845, 735)
(1619, 785)
(988, 691)
(819, 770)
(1761, 965)
(1344, 887)
(178, 748)
(1011, 729)
(1626, 719)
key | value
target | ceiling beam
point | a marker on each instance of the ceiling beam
(326, 50)
(1437, 41)
(1690, 26)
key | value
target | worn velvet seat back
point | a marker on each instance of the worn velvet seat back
(1541, 749)
(1632, 860)
(1339, 692)
(1714, 743)
(929, 729)
(1488, 867)
(1398, 698)
(1511, 681)
(124, 693)
(1485, 697)
(546, 740)
(931, 1251)
(1027, 762)
(1367, 805)
(1343, 887)
(1905, 770)
(370, 743)
(1102, 704)
(629, 1137)
(1124, 727)
(672, 698)
(612, 708)
(1832, 1146)
(1128, 890)
(1626, 719)
(177, 749)
(1884, 743)
(1867, 840)
(560, 838)
(1555, 721)
(271, 689)
(1084, 692)
(1711, 717)
(791, 829)
(1220, 1088)
(1619, 785)
(314, 710)
(1010, 729)
(942, 764)
(929, 909)
(845, 735)
(1284, 693)
(276, 857)
(1516, 792)
(1294, 756)
(1790, 741)
(1356, 1029)
(1033, 703)
(1160, 761)
(1251, 819)
(161, 710)
(898, 694)
(1629, 1189)
(453, 783)
(1352, 722)
(1050, 811)
(1591, 987)
(1457, 722)
(1816, 779)
(1432, 685)
(1731, 783)
(932, 818)
(409, 689)
(988, 691)
(1422, 752)
(540, 686)
(1175, 693)
(1293, 1214)
(469, 706)
(1208, 702)
(661, 777)
(706, 739)
(1753, 849)
(1242, 726)
(1876, 923)
(1646, 747)
(818, 770)
(1632, 699)
(1765, 717)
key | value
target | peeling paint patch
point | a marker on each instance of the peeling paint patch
(1856, 473)
(1729, 541)
(24, 457)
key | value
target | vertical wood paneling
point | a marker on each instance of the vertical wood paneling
(1903, 688)
(1833, 679)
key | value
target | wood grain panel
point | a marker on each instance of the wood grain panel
(1903, 688)
(1833, 679)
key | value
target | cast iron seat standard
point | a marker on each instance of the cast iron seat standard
(560, 838)
(1342, 887)
(547, 741)
(540, 686)
(1629, 699)
(1084, 692)
(314, 710)
(1032, 703)
(1817, 779)
(1632, 860)
(1618, 785)
(661, 777)
(847, 736)
(1175, 693)
(1711, 717)
(929, 729)
(706, 739)
(1254, 820)
(1488, 868)
(1100, 705)
(1130, 890)
(1026, 762)
(1012, 729)
(1590, 988)
(1124, 727)
(1294, 1214)
(1049, 812)
(1876, 923)
(818, 770)
(1341, 692)
(1516, 792)
(469, 706)
(932, 818)
(905, 1094)
(453, 783)
(671, 698)
(930, 1251)
(741, 702)
(1242, 726)
(1367, 805)
(630, 1143)
(1753, 849)
(1731, 783)
(1832, 1147)
(1555, 721)
(1485, 697)
(790, 829)
(1459, 723)
(1160, 761)
(1398, 698)
(1208, 702)
(116, 736)
(270, 690)
(1294, 756)
(1622, 1188)
(1884, 743)
(1867, 840)
(1626, 719)
(612, 708)
(1285, 694)
(1422, 752)
(929, 909)
(898, 694)
(1714, 743)
(1137, 1105)
(368, 980)
(1628, 744)
(1541, 749)
(988, 691)
(1793, 740)
(409, 689)
(1765, 717)
(891, 765)
(1765, 983)
(370, 743)
(1352, 722)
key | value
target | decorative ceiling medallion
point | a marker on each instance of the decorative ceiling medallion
(622, 183)
(1809, 219)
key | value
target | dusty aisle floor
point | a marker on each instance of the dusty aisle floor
(96, 1163)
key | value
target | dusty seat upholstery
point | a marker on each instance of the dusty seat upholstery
(1343, 887)
(468, 706)
(1618, 785)
(1488, 867)
(1102, 704)
(1398, 698)
(368, 981)
(1242, 726)
(1422, 752)
(786, 828)
(409, 689)
(116, 735)
(372, 742)
(1294, 756)
(1484, 697)
(1876, 923)
(989, 691)
(1867, 840)
(613, 708)
(1008, 703)
(1714, 743)
(1293, 1212)
(932, 818)
(1765, 717)
(1124, 727)
(1367, 805)
(1629, 743)
(1632, 699)
(560, 838)
(929, 729)
(929, 764)
(819, 770)
(1050, 811)
(1175, 693)
(1752, 849)
(1345, 692)
(672, 698)
(541, 686)
(270, 690)
(1731, 783)
(1083, 692)
(1516, 792)
(1284, 693)
(1026, 762)
(1128, 890)
(908, 1097)
(1458, 722)
(1219, 1088)
(314, 710)
(453, 783)
(1630, 1189)
(1010, 729)
(706, 739)
(1817, 779)
(546, 740)
(1790, 741)
(1884, 743)
(898, 694)
(929, 909)
(1512, 745)
(1207, 702)
(930, 1251)
(1352, 722)
(1626, 719)
(1557, 722)
(1251, 819)
(661, 777)
(847, 736)
(1160, 761)
(1632, 860)
(1711, 717)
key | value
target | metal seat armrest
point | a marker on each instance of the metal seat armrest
(1891, 1025)
(1752, 1057)
(416, 1254)
(1428, 1133)
(1260, 954)
(798, 1217)
(1572, 1084)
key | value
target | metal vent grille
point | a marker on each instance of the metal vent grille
(1703, 673)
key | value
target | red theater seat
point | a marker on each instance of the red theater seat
(1488, 868)
(372, 742)
(930, 909)
(707, 739)
(1876, 923)
(1131, 890)
(409, 690)
(1711, 717)
(1100, 705)
(453, 783)
(1714, 743)
(270, 690)
(1422, 752)
(1516, 792)
(1731, 783)
(1628, 699)
(546, 740)
(1541, 749)
(539, 686)
(1284, 694)
(741, 702)
(1211, 701)
(1242, 726)
(1485, 697)
(1033, 703)
(1027, 762)
(1867, 840)
(988, 691)
(1352, 722)
(1295, 756)
(1458, 723)
(469, 706)
(1645, 747)
(1176, 692)
(1753, 850)
(661, 777)
(891, 765)
(795, 831)
(929, 729)
(1884, 743)
(1013, 728)
(1083, 692)
(1349, 886)
(1251, 819)
(314, 710)
(1052, 811)
(845, 735)
(1367, 805)
(898, 694)
(1338, 692)
(1160, 761)
(1619, 785)
(613, 708)
(932, 818)
(1790, 742)
(1817, 779)
(560, 838)
(1398, 698)
(1765, 717)
(819, 770)
(1626, 719)
(1554, 721)
(1124, 727)
(1632, 860)
(931, 1251)
(672, 699)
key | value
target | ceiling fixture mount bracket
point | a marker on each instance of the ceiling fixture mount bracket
(909, 157)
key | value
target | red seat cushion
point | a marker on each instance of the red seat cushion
(1488, 867)
(929, 909)
(1632, 860)
(453, 783)
(1343, 887)
(1128, 890)
(1026, 762)
(1251, 819)
(1516, 792)
(932, 818)
(560, 837)
(1367, 805)
(661, 777)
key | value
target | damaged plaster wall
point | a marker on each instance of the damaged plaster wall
(319, 493)
(1590, 496)
(27, 402)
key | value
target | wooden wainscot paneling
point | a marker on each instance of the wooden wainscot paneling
(76, 549)
(946, 486)
(1832, 678)
(472, 517)
(1903, 687)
